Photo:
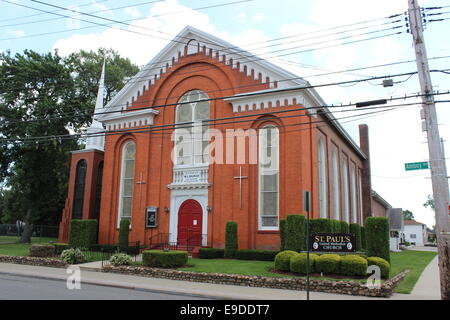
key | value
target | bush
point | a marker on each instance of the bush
(295, 232)
(355, 229)
(282, 234)
(344, 228)
(38, 250)
(260, 255)
(124, 231)
(377, 237)
(210, 253)
(353, 265)
(335, 226)
(60, 247)
(231, 239)
(319, 225)
(120, 259)
(363, 238)
(283, 260)
(72, 256)
(328, 263)
(164, 259)
(83, 233)
(299, 262)
(383, 264)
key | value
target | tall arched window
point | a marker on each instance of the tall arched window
(353, 193)
(345, 189)
(98, 190)
(78, 197)
(268, 178)
(322, 174)
(335, 185)
(127, 180)
(361, 219)
(192, 119)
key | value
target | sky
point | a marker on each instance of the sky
(396, 136)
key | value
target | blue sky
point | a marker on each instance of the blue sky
(396, 137)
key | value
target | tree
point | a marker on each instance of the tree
(45, 95)
(408, 215)
(429, 202)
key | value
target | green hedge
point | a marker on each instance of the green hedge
(363, 238)
(210, 253)
(295, 232)
(353, 265)
(383, 264)
(231, 239)
(344, 227)
(124, 231)
(355, 229)
(283, 260)
(377, 237)
(319, 225)
(83, 233)
(299, 262)
(164, 259)
(282, 234)
(260, 255)
(60, 247)
(328, 263)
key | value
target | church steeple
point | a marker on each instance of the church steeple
(95, 139)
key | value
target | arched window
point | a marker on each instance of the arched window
(345, 189)
(192, 119)
(353, 193)
(127, 181)
(268, 178)
(361, 219)
(98, 190)
(322, 174)
(78, 197)
(335, 185)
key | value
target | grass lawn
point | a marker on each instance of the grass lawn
(8, 247)
(415, 261)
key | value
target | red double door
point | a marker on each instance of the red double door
(190, 222)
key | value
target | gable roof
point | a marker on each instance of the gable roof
(412, 223)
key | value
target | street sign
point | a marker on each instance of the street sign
(416, 166)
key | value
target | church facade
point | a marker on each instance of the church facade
(207, 133)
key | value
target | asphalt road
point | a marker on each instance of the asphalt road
(13, 287)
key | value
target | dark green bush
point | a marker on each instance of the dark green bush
(363, 238)
(319, 225)
(328, 263)
(282, 234)
(353, 265)
(335, 226)
(355, 229)
(377, 237)
(299, 262)
(124, 231)
(210, 253)
(231, 239)
(344, 228)
(83, 233)
(164, 259)
(260, 255)
(295, 232)
(283, 260)
(383, 264)
(60, 247)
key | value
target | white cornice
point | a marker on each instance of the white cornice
(129, 119)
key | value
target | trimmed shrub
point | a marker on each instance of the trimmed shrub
(210, 253)
(72, 256)
(299, 262)
(260, 255)
(328, 263)
(283, 260)
(120, 259)
(344, 228)
(363, 238)
(60, 247)
(83, 233)
(319, 225)
(282, 234)
(124, 231)
(335, 226)
(356, 230)
(38, 250)
(377, 237)
(353, 265)
(231, 239)
(383, 264)
(295, 232)
(164, 259)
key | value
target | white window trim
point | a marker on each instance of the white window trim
(361, 220)
(322, 175)
(353, 193)
(122, 172)
(336, 185)
(260, 226)
(345, 190)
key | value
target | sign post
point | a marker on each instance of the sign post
(307, 205)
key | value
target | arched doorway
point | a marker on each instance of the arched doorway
(190, 222)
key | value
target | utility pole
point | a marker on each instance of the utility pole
(437, 161)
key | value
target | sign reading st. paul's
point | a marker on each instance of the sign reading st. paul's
(332, 242)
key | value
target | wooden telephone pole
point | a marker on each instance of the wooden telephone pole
(437, 161)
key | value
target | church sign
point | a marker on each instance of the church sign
(191, 176)
(332, 242)
(151, 217)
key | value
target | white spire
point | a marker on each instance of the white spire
(94, 139)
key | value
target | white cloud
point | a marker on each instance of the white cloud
(259, 16)
(103, 8)
(133, 12)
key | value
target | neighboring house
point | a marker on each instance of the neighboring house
(415, 232)
(380, 207)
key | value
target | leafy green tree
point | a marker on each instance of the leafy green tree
(408, 215)
(429, 202)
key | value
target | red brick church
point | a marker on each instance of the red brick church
(208, 133)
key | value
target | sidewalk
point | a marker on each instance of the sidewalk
(428, 285)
